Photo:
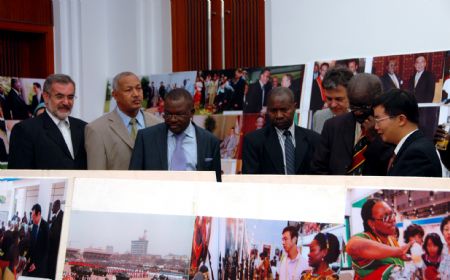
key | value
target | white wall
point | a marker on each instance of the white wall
(95, 39)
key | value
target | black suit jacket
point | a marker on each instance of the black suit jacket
(54, 237)
(316, 102)
(424, 90)
(150, 150)
(262, 152)
(39, 251)
(388, 84)
(335, 153)
(5, 107)
(19, 110)
(416, 157)
(37, 143)
(253, 99)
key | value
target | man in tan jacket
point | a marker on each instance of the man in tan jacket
(110, 139)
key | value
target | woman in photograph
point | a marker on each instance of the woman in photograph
(414, 233)
(375, 252)
(323, 250)
(444, 266)
(432, 256)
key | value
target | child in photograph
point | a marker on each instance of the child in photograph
(432, 256)
(444, 266)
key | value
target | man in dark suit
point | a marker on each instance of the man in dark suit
(349, 144)
(53, 140)
(39, 244)
(256, 98)
(177, 144)
(281, 147)
(54, 237)
(6, 114)
(317, 91)
(19, 109)
(396, 121)
(422, 82)
(390, 79)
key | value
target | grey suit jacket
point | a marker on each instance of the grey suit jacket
(150, 151)
(319, 119)
(108, 144)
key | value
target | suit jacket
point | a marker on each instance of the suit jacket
(54, 238)
(253, 99)
(150, 150)
(37, 143)
(334, 155)
(319, 119)
(387, 82)
(39, 251)
(424, 90)
(416, 157)
(19, 109)
(5, 107)
(108, 143)
(262, 152)
(316, 102)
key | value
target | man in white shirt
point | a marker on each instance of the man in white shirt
(390, 79)
(291, 264)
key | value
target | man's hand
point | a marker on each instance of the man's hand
(440, 134)
(369, 127)
(32, 268)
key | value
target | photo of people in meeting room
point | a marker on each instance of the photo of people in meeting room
(31, 216)
(398, 234)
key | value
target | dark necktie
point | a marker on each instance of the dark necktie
(133, 132)
(34, 231)
(358, 156)
(178, 157)
(391, 161)
(289, 152)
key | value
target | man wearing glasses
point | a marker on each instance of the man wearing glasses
(396, 121)
(176, 144)
(53, 140)
(110, 138)
(349, 144)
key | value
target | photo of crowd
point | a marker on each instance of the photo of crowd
(398, 234)
(31, 212)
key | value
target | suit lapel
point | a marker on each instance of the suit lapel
(301, 147)
(274, 150)
(348, 130)
(413, 137)
(77, 134)
(201, 148)
(119, 128)
(54, 134)
(162, 143)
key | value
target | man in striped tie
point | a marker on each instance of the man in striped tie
(349, 144)
(280, 147)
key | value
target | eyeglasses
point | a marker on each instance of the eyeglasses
(382, 119)
(360, 107)
(386, 218)
(60, 97)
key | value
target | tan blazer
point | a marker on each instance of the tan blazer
(108, 144)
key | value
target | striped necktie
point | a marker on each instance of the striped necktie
(289, 152)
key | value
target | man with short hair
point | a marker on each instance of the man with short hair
(177, 144)
(349, 144)
(422, 82)
(335, 87)
(256, 98)
(110, 138)
(54, 237)
(37, 266)
(291, 264)
(353, 66)
(281, 147)
(16, 104)
(390, 79)
(53, 140)
(396, 121)
(317, 92)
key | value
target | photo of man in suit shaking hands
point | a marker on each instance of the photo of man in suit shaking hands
(176, 144)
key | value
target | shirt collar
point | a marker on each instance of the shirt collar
(189, 131)
(126, 119)
(56, 120)
(400, 144)
(291, 129)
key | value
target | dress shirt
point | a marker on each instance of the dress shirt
(291, 269)
(64, 127)
(395, 80)
(282, 139)
(417, 77)
(140, 123)
(189, 146)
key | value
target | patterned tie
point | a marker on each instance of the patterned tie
(289, 152)
(178, 157)
(358, 156)
(133, 131)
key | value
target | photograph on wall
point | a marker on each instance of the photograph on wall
(409, 228)
(228, 129)
(128, 246)
(446, 86)
(31, 214)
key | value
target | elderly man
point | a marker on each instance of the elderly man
(110, 138)
(53, 140)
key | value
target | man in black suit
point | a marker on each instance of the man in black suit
(256, 98)
(349, 144)
(281, 147)
(6, 114)
(19, 109)
(177, 144)
(422, 82)
(317, 91)
(396, 121)
(390, 79)
(54, 237)
(53, 140)
(38, 261)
